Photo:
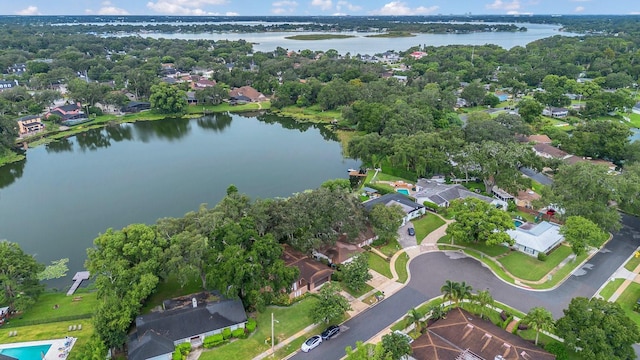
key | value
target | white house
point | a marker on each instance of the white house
(636, 108)
(556, 112)
(442, 194)
(411, 208)
(533, 239)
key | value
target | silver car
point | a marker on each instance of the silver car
(311, 343)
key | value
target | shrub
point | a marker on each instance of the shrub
(177, 355)
(506, 322)
(226, 333)
(431, 206)
(542, 256)
(381, 189)
(213, 341)
(94, 110)
(380, 242)
(251, 325)
(336, 276)
(239, 333)
(557, 349)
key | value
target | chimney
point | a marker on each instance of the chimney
(194, 302)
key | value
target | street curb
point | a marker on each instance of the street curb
(597, 294)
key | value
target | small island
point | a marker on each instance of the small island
(318, 37)
(392, 34)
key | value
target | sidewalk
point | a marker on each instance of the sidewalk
(633, 277)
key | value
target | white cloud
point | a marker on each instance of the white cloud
(401, 8)
(501, 5)
(283, 7)
(29, 10)
(579, 9)
(344, 4)
(231, 13)
(323, 4)
(184, 7)
(112, 10)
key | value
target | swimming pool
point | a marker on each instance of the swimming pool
(403, 191)
(517, 223)
(26, 352)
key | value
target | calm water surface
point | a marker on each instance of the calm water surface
(56, 202)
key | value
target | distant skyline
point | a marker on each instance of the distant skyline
(319, 7)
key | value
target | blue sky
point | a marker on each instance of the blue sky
(316, 7)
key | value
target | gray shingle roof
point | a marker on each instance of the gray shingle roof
(407, 204)
(440, 194)
(149, 346)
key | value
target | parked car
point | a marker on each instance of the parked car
(330, 332)
(311, 343)
(412, 232)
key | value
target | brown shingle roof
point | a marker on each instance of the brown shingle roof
(550, 150)
(462, 331)
(247, 91)
(539, 139)
(310, 270)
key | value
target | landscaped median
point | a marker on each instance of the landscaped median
(517, 268)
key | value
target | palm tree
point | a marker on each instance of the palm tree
(539, 318)
(450, 290)
(483, 298)
(437, 312)
(464, 292)
(414, 316)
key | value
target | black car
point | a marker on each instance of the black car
(412, 232)
(330, 332)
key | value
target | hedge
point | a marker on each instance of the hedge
(381, 189)
(251, 325)
(239, 333)
(213, 341)
(226, 333)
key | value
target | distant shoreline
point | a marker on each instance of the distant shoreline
(319, 37)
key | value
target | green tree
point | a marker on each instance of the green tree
(584, 189)
(168, 99)
(600, 329)
(539, 319)
(478, 221)
(396, 344)
(415, 317)
(8, 133)
(331, 305)
(18, 277)
(484, 299)
(582, 233)
(530, 110)
(56, 270)
(474, 93)
(450, 290)
(386, 220)
(355, 273)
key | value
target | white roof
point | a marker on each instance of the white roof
(541, 237)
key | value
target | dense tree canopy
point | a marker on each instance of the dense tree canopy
(18, 277)
(478, 221)
(168, 99)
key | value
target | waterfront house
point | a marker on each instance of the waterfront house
(186, 319)
(29, 125)
(411, 208)
(136, 106)
(442, 194)
(249, 92)
(68, 112)
(312, 273)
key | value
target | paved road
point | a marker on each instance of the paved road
(541, 178)
(429, 271)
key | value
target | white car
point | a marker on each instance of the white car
(311, 343)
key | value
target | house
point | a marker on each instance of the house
(370, 192)
(550, 152)
(501, 194)
(411, 208)
(29, 125)
(68, 112)
(17, 69)
(636, 108)
(186, 319)
(6, 85)
(312, 272)
(191, 98)
(249, 92)
(203, 84)
(401, 78)
(136, 106)
(390, 57)
(533, 239)
(463, 336)
(611, 167)
(442, 194)
(345, 249)
(537, 139)
(417, 55)
(526, 198)
(556, 112)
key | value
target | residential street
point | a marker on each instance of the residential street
(430, 270)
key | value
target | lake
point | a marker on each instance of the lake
(360, 44)
(57, 201)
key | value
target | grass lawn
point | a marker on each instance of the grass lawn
(170, 289)
(386, 177)
(290, 320)
(561, 274)
(475, 186)
(425, 225)
(311, 114)
(635, 120)
(9, 156)
(379, 265)
(390, 248)
(43, 309)
(491, 250)
(401, 267)
(632, 263)
(356, 294)
(529, 217)
(610, 288)
(224, 107)
(530, 268)
(628, 299)
(50, 331)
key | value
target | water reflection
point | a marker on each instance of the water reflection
(11, 172)
(58, 146)
(93, 140)
(215, 122)
(292, 124)
(169, 129)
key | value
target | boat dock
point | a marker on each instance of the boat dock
(78, 278)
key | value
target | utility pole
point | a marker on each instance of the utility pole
(273, 340)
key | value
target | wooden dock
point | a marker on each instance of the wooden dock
(78, 278)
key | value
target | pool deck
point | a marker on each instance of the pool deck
(53, 353)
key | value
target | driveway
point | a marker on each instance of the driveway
(404, 238)
(430, 270)
(539, 177)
